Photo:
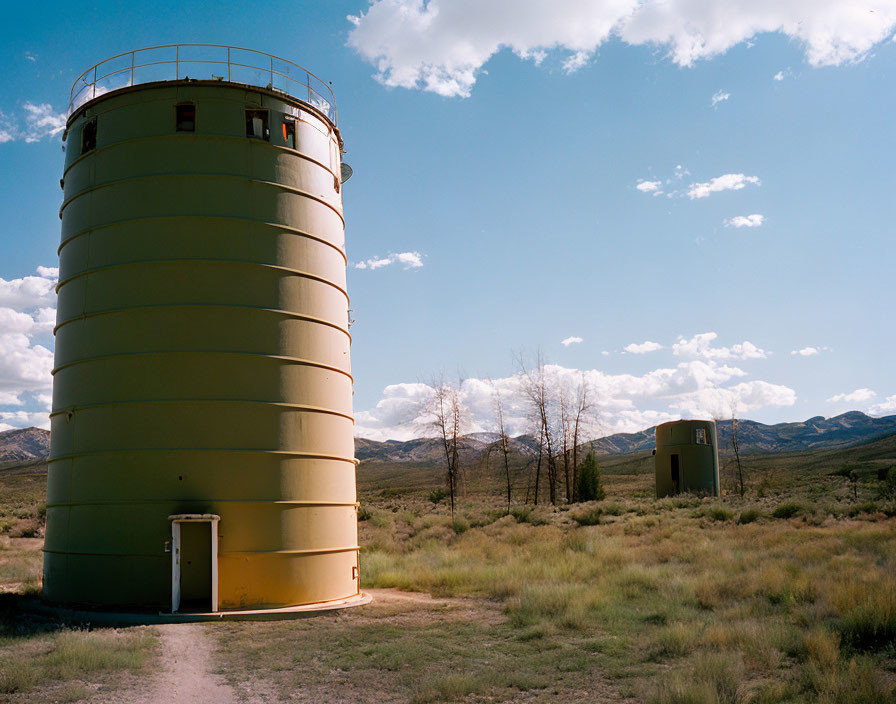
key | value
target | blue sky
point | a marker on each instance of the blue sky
(599, 175)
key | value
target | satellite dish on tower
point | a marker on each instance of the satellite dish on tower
(346, 172)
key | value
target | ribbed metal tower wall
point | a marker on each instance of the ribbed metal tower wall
(202, 352)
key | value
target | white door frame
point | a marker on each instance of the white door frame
(176, 521)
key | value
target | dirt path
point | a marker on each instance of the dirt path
(186, 671)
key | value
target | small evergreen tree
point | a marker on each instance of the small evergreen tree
(588, 486)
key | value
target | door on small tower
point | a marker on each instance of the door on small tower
(676, 475)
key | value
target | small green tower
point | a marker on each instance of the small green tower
(687, 458)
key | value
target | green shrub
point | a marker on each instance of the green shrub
(788, 510)
(718, 513)
(748, 515)
(590, 517)
(460, 525)
(436, 495)
(867, 507)
(588, 486)
(521, 513)
(364, 513)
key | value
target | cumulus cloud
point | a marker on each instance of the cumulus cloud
(727, 182)
(571, 341)
(735, 400)
(9, 420)
(27, 314)
(410, 260)
(654, 187)
(441, 45)
(857, 396)
(754, 220)
(621, 402)
(884, 408)
(642, 348)
(808, 351)
(720, 96)
(700, 346)
(779, 76)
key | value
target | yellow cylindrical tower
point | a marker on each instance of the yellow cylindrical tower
(202, 434)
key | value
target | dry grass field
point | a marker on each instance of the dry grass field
(42, 660)
(787, 595)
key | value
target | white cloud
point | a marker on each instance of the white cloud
(48, 272)
(809, 351)
(35, 122)
(27, 311)
(573, 63)
(654, 187)
(736, 400)
(727, 182)
(643, 348)
(42, 121)
(884, 408)
(857, 396)
(622, 402)
(719, 96)
(779, 76)
(571, 341)
(754, 220)
(7, 129)
(24, 419)
(410, 260)
(30, 291)
(442, 45)
(700, 345)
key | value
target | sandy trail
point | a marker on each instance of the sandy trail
(186, 672)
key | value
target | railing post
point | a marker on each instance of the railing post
(228, 64)
(94, 81)
(272, 73)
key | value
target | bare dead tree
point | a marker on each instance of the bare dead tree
(538, 465)
(565, 437)
(740, 469)
(446, 412)
(582, 411)
(504, 445)
(535, 388)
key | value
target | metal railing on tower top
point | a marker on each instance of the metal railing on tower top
(207, 62)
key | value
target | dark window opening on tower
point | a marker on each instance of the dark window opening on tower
(257, 124)
(88, 136)
(289, 133)
(185, 117)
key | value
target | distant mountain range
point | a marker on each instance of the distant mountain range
(26, 445)
(33, 444)
(753, 438)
